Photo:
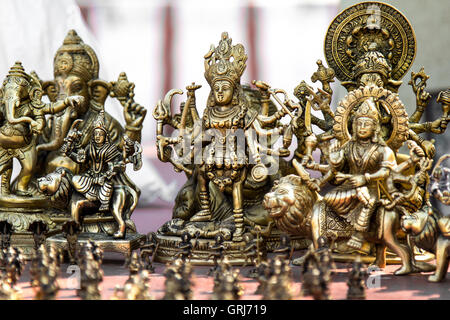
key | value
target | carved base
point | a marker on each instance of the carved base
(168, 249)
(368, 259)
(390, 258)
(298, 242)
(132, 241)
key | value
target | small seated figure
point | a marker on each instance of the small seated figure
(356, 281)
(105, 158)
(284, 249)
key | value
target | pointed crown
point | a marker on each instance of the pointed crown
(75, 57)
(17, 70)
(100, 122)
(373, 62)
(368, 109)
(225, 62)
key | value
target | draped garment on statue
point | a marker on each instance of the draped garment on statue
(358, 160)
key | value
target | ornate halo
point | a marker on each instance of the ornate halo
(398, 126)
(345, 39)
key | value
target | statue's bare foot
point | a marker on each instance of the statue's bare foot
(355, 242)
(203, 215)
(104, 207)
(434, 278)
(298, 261)
(23, 193)
(404, 270)
(119, 235)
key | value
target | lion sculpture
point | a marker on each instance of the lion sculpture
(58, 185)
(297, 210)
(290, 204)
(431, 232)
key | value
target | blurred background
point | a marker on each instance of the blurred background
(160, 44)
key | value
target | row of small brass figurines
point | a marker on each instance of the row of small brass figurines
(274, 275)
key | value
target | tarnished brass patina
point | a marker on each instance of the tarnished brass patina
(427, 228)
(222, 154)
(72, 153)
(369, 48)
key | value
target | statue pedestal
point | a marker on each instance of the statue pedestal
(21, 213)
(168, 249)
(132, 241)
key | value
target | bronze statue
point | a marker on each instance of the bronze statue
(72, 153)
(227, 166)
(360, 142)
(23, 122)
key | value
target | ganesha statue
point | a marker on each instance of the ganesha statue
(72, 153)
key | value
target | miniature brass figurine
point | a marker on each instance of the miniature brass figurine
(136, 288)
(148, 250)
(356, 281)
(217, 254)
(228, 288)
(178, 281)
(279, 284)
(44, 273)
(91, 276)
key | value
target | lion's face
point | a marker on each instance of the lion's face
(278, 200)
(414, 223)
(289, 203)
(50, 184)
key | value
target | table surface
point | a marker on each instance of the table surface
(410, 287)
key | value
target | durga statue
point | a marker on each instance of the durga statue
(227, 161)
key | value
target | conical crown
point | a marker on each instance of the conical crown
(17, 70)
(225, 62)
(75, 57)
(368, 109)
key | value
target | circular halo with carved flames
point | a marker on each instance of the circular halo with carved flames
(385, 25)
(387, 100)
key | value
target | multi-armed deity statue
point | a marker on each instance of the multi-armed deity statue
(228, 154)
(72, 162)
(369, 47)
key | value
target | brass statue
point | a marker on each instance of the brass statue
(360, 142)
(23, 121)
(228, 288)
(356, 281)
(427, 228)
(72, 153)
(147, 251)
(44, 273)
(221, 153)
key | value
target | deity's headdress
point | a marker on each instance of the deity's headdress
(370, 37)
(75, 57)
(225, 62)
(100, 122)
(17, 70)
(368, 109)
